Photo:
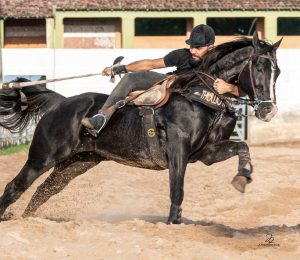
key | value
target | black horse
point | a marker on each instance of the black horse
(188, 131)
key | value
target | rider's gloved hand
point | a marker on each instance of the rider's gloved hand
(118, 69)
(223, 87)
(106, 71)
(115, 70)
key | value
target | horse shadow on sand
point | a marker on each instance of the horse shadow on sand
(215, 229)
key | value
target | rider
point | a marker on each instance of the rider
(201, 40)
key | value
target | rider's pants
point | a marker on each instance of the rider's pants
(131, 82)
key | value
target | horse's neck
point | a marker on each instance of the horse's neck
(229, 66)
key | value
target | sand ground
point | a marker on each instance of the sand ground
(119, 212)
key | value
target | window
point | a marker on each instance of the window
(233, 26)
(160, 26)
(92, 33)
(288, 26)
(25, 33)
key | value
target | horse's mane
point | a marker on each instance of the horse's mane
(19, 107)
(223, 50)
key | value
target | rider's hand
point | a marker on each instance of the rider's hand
(106, 71)
(223, 87)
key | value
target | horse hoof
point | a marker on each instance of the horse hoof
(176, 221)
(239, 183)
(175, 215)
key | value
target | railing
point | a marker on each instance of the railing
(9, 139)
(241, 128)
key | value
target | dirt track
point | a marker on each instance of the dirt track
(118, 212)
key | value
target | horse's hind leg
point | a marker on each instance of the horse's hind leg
(60, 178)
(13, 190)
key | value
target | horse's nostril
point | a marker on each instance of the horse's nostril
(267, 110)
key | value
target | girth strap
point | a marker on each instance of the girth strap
(148, 117)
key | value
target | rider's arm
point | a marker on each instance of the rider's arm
(223, 87)
(141, 65)
(145, 65)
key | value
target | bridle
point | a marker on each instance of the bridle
(255, 102)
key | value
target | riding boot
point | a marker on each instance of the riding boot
(97, 122)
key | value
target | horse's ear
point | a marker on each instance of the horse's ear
(277, 44)
(255, 39)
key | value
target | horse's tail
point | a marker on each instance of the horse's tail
(19, 107)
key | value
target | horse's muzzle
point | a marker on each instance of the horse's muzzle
(266, 111)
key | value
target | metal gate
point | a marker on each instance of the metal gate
(240, 131)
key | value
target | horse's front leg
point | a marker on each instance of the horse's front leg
(177, 167)
(226, 149)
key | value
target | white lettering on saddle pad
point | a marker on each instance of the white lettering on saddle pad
(211, 98)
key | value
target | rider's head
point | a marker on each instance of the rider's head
(201, 40)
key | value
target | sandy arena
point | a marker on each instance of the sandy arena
(119, 212)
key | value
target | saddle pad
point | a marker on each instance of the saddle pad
(208, 98)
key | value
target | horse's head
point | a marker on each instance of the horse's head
(248, 63)
(258, 78)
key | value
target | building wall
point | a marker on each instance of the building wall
(1, 32)
(125, 35)
(267, 28)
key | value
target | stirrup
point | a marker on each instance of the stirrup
(104, 122)
(91, 127)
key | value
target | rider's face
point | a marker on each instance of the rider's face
(199, 52)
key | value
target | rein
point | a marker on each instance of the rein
(20, 85)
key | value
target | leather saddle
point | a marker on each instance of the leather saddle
(156, 96)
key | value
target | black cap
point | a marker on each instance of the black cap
(201, 35)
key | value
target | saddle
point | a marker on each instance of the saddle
(156, 96)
